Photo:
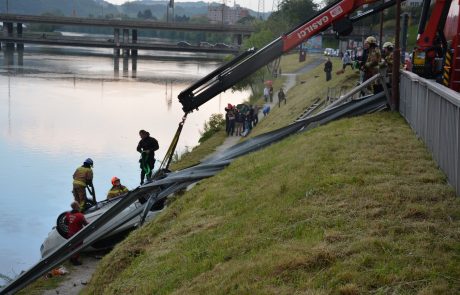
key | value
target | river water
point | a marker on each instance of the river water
(61, 106)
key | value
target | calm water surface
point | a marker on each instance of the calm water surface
(63, 106)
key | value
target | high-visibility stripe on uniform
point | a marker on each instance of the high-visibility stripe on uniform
(82, 176)
(116, 191)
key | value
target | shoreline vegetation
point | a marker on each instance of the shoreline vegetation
(355, 206)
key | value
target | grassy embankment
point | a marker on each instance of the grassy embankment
(356, 206)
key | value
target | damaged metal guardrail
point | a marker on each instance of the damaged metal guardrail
(175, 181)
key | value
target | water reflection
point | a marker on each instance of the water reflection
(58, 110)
(9, 105)
(168, 94)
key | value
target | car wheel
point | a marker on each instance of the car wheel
(61, 227)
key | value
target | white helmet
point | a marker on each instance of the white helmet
(371, 40)
(388, 45)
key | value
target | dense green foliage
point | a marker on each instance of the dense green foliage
(215, 124)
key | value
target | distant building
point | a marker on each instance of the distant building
(220, 13)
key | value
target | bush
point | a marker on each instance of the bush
(215, 124)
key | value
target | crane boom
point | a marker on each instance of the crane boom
(229, 74)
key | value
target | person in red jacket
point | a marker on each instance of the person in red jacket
(75, 222)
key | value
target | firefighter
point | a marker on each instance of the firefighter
(117, 189)
(387, 61)
(82, 178)
(75, 221)
(147, 147)
(371, 66)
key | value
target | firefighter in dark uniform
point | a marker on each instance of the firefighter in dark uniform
(147, 147)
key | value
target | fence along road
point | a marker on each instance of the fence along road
(433, 112)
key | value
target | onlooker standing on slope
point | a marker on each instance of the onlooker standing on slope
(281, 96)
(328, 69)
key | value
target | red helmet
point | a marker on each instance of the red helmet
(115, 179)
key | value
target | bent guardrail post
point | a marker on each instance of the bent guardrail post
(353, 91)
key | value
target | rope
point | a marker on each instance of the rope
(172, 147)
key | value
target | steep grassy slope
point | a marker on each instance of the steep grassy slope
(357, 206)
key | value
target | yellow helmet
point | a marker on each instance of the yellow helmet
(371, 40)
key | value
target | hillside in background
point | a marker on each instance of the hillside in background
(98, 8)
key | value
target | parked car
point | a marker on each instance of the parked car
(183, 44)
(206, 45)
(328, 52)
(221, 45)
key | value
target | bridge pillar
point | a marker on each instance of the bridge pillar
(116, 41)
(125, 64)
(134, 66)
(19, 46)
(134, 41)
(239, 39)
(125, 41)
(21, 57)
(8, 57)
(8, 27)
(116, 65)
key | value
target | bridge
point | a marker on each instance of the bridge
(55, 40)
(126, 24)
(128, 41)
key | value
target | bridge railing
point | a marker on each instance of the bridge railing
(433, 112)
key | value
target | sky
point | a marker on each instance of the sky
(252, 4)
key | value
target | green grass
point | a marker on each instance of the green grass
(200, 151)
(290, 62)
(356, 206)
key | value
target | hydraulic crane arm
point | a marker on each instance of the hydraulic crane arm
(250, 61)
(432, 45)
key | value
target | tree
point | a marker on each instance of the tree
(247, 20)
(148, 14)
(297, 11)
(257, 40)
(215, 124)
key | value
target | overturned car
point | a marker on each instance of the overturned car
(58, 235)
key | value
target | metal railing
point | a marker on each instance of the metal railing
(433, 112)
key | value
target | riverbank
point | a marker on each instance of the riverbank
(356, 206)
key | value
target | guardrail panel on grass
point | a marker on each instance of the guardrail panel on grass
(433, 112)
